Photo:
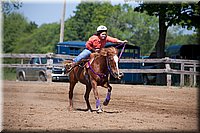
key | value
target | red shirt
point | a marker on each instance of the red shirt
(95, 42)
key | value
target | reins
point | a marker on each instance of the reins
(122, 49)
(108, 65)
(98, 74)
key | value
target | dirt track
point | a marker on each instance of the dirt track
(37, 106)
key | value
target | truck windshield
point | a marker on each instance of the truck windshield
(44, 60)
(57, 60)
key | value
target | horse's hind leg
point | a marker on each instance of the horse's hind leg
(86, 96)
(106, 101)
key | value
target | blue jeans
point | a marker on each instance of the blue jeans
(84, 54)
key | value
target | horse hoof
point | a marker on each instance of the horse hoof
(70, 109)
(89, 110)
(105, 103)
(99, 111)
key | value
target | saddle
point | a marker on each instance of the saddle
(91, 59)
(82, 63)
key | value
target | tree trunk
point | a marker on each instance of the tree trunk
(160, 48)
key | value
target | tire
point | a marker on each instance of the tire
(145, 80)
(21, 77)
(42, 77)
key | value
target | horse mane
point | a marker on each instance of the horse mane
(108, 51)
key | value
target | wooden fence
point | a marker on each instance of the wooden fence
(186, 67)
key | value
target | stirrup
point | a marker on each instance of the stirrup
(69, 67)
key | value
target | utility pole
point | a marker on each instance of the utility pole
(62, 22)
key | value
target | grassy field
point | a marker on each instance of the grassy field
(9, 73)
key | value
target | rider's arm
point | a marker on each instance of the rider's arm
(92, 44)
(115, 40)
(120, 41)
(89, 44)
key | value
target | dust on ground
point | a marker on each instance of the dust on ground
(39, 106)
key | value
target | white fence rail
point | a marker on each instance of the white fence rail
(187, 67)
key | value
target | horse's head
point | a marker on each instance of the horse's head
(112, 61)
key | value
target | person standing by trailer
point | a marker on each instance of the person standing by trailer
(95, 43)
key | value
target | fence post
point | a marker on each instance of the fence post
(169, 76)
(22, 61)
(182, 75)
(195, 76)
(49, 69)
(191, 80)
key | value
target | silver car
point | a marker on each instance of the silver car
(39, 72)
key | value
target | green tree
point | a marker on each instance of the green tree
(15, 26)
(139, 29)
(182, 39)
(81, 22)
(42, 40)
(88, 16)
(170, 14)
(122, 21)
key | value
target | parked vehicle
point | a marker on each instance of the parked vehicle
(32, 73)
(149, 78)
(190, 51)
(59, 72)
(39, 72)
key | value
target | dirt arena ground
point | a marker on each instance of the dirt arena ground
(37, 106)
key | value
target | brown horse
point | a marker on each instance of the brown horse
(98, 74)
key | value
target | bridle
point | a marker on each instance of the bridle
(109, 68)
(101, 76)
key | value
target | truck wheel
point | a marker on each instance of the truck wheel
(145, 80)
(21, 77)
(42, 77)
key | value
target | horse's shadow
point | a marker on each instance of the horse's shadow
(83, 110)
(94, 110)
(112, 112)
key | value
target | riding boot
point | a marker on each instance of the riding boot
(70, 66)
(92, 55)
(73, 64)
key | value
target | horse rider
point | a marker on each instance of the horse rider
(95, 43)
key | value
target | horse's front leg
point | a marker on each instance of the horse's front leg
(71, 89)
(106, 101)
(96, 95)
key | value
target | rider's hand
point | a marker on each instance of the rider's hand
(95, 50)
(125, 41)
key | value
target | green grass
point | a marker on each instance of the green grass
(9, 74)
